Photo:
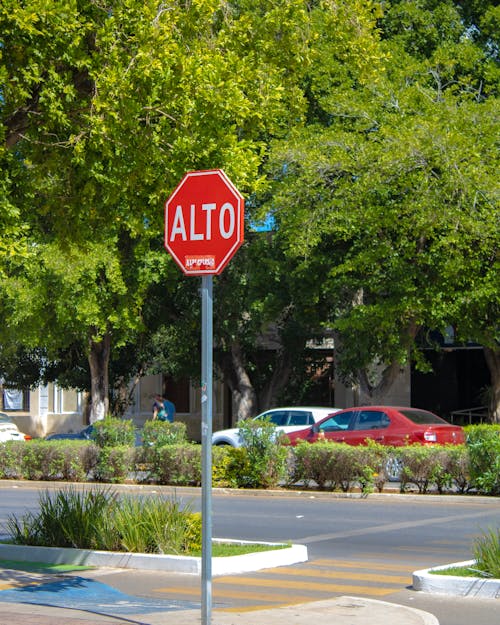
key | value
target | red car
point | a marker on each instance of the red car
(388, 425)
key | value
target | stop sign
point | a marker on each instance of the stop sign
(204, 220)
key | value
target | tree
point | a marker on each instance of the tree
(103, 109)
(390, 193)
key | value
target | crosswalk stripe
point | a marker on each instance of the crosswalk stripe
(427, 549)
(367, 577)
(305, 586)
(349, 564)
(311, 580)
(220, 593)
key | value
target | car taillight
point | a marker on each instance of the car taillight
(27, 437)
(430, 437)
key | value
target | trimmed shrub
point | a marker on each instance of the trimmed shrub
(230, 467)
(114, 464)
(160, 433)
(459, 467)
(371, 465)
(266, 454)
(111, 432)
(483, 444)
(314, 463)
(335, 466)
(173, 464)
(11, 460)
(56, 460)
(425, 466)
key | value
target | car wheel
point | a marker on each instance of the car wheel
(393, 468)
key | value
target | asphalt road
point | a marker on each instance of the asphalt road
(364, 547)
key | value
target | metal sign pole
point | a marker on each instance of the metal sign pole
(206, 443)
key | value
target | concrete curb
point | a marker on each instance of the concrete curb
(484, 588)
(230, 565)
(344, 610)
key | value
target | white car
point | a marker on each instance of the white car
(9, 430)
(286, 420)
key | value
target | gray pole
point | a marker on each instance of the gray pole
(206, 447)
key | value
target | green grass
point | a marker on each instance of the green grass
(42, 567)
(460, 571)
(221, 550)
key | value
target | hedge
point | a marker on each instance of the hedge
(473, 467)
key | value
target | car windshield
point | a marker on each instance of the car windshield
(422, 417)
(278, 417)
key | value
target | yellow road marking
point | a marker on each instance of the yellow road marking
(367, 577)
(348, 564)
(240, 594)
(427, 549)
(302, 585)
(256, 608)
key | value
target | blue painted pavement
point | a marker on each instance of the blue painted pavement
(89, 595)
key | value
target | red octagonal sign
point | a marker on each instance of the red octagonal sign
(204, 219)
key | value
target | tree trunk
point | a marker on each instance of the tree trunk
(278, 381)
(376, 392)
(244, 394)
(492, 357)
(99, 377)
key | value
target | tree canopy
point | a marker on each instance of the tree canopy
(391, 195)
(367, 130)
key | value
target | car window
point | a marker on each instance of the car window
(343, 420)
(278, 417)
(337, 422)
(371, 420)
(421, 416)
(300, 417)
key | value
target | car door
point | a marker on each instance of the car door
(368, 424)
(336, 427)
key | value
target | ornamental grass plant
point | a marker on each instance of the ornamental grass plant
(486, 550)
(100, 519)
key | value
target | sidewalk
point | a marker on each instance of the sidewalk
(341, 611)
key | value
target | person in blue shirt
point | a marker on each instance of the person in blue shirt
(163, 409)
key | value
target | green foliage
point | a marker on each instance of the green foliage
(383, 184)
(260, 463)
(48, 460)
(178, 464)
(56, 460)
(486, 550)
(100, 519)
(67, 518)
(265, 452)
(159, 433)
(112, 432)
(424, 466)
(114, 464)
(151, 525)
(483, 443)
(231, 467)
(458, 466)
(338, 465)
(11, 459)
